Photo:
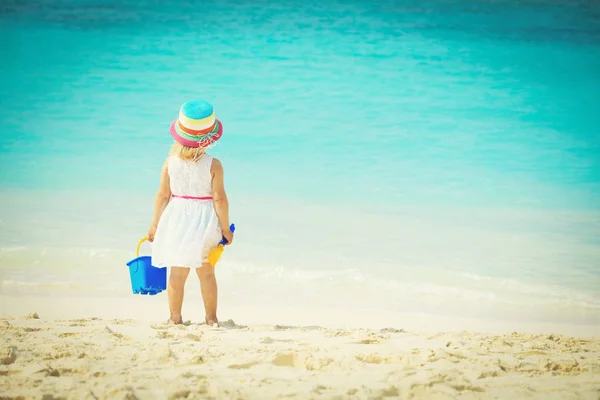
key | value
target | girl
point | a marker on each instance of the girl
(191, 210)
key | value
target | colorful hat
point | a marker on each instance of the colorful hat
(196, 125)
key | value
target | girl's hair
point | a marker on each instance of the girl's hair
(187, 153)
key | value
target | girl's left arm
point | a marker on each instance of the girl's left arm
(163, 195)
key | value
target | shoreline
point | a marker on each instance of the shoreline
(151, 310)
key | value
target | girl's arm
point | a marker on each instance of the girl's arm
(220, 199)
(161, 200)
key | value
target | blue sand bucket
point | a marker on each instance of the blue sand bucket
(146, 279)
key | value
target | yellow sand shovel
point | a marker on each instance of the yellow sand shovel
(215, 254)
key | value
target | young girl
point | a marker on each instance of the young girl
(191, 210)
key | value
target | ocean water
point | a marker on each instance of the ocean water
(440, 157)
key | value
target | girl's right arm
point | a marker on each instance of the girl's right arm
(220, 199)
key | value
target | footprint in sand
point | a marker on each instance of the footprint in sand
(195, 360)
(164, 335)
(8, 355)
(285, 360)
(164, 355)
(191, 336)
(391, 391)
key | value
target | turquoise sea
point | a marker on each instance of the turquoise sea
(440, 157)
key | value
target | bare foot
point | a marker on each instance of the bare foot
(213, 322)
(175, 321)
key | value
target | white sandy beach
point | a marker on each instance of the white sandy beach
(108, 358)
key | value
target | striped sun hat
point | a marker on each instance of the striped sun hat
(196, 125)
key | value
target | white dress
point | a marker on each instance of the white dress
(188, 228)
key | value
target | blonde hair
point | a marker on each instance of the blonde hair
(186, 152)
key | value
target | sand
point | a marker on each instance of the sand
(103, 358)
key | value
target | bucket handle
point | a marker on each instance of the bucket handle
(137, 250)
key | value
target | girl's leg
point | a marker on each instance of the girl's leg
(175, 293)
(208, 286)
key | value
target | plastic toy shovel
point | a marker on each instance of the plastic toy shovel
(215, 254)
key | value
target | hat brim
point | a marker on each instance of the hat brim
(204, 140)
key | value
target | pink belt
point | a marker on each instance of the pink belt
(192, 197)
